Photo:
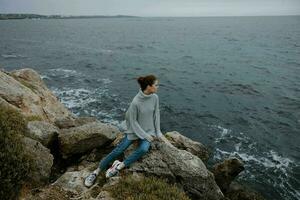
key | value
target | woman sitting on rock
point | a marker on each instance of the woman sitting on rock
(143, 124)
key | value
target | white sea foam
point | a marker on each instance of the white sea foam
(74, 98)
(9, 56)
(105, 80)
(237, 146)
(265, 162)
(13, 56)
(69, 71)
(63, 72)
(45, 77)
(79, 100)
(223, 133)
(106, 51)
(268, 159)
(108, 117)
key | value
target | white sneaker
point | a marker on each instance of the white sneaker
(120, 166)
(90, 179)
(113, 170)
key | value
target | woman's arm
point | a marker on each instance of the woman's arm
(157, 118)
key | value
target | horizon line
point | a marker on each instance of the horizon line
(71, 15)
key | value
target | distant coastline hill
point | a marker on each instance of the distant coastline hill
(35, 16)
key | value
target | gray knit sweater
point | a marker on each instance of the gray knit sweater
(143, 117)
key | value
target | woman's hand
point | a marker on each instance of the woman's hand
(149, 138)
(163, 139)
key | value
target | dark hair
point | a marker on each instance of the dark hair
(144, 81)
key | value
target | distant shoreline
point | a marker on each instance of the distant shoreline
(35, 16)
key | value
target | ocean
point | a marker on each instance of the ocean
(231, 83)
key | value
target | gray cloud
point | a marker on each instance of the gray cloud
(153, 7)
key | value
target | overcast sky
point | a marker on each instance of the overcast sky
(153, 7)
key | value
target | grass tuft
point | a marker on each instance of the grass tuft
(147, 188)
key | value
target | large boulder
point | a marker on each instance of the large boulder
(226, 171)
(41, 164)
(73, 122)
(26, 91)
(43, 132)
(184, 143)
(178, 166)
(84, 138)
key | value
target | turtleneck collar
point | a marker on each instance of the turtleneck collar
(142, 95)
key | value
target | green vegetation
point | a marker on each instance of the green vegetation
(33, 118)
(14, 164)
(147, 188)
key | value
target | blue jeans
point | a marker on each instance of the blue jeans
(143, 148)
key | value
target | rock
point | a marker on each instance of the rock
(65, 122)
(73, 122)
(25, 90)
(42, 161)
(112, 181)
(17, 94)
(30, 76)
(73, 181)
(239, 192)
(181, 167)
(226, 172)
(6, 104)
(43, 132)
(85, 138)
(184, 143)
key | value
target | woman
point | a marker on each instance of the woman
(143, 124)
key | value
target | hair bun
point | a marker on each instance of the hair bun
(141, 79)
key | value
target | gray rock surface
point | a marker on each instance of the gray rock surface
(184, 143)
(41, 163)
(85, 138)
(43, 132)
(26, 91)
(73, 122)
(6, 104)
(73, 181)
